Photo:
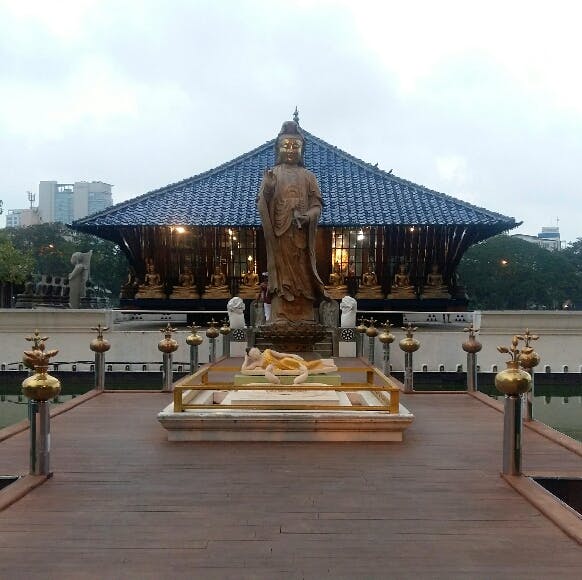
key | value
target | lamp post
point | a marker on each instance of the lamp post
(512, 382)
(194, 340)
(386, 338)
(167, 346)
(471, 346)
(39, 388)
(409, 344)
(212, 333)
(100, 346)
(360, 330)
(371, 333)
(528, 359)
(225, 331)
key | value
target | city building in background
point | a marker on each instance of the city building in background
(66, 202)
(548, 238)
(20, 218)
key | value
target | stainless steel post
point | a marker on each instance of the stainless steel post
(40, 437)
(471, 372)
(359, 344)
(167, 372)
(371, 349)
(212, 349)
(528, 398)
(193, 358)
(512, 434)
(386, 358)
(99, 371)
(226, 345)
(408, 373)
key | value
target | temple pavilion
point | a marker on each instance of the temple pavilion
(391, 243)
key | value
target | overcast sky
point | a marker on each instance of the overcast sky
(479, 100)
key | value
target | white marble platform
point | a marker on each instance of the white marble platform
(220, 422)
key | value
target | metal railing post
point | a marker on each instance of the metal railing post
(100, 346)
(512, 435)
(167, 346)
(167, 374)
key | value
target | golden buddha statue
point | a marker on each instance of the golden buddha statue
(218, 288)
(152, 286)
(249, 287)
(257, 362)
(401, 288)
(369, 287)
(186, 288)
(336, 287)
(434, 286)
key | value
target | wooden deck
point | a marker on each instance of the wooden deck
(125, 503)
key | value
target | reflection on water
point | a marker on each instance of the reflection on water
(14, 408)
(556, 405)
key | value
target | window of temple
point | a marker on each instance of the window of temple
(237, 251)
(352, 249)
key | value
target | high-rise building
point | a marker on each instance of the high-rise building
(66, 202)
(20, 218)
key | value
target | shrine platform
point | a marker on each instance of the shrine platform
(126, 503)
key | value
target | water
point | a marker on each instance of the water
(558, 405)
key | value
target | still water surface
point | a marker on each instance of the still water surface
(558, 406)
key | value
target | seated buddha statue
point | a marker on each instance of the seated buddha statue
(152, 286)
(218, 288)
(401, 288)
(249, 287)
(369, 287)
(186, 288)
(434, 286)
(336, 287)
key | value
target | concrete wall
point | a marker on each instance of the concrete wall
(560, 342)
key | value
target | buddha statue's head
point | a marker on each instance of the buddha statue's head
(289, 144)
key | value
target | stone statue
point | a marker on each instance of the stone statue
(290, 205)
(218, 287)
(78, 277)
(256, 362)
(370, 288)
(336, 288)
(349, 308)
(250, 285)
(435, 286)
(186, 288)
(402, 289)
(152, 286)
(129, 287)
(236, 307)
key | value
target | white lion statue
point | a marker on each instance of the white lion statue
(236, 307)
(349, 308)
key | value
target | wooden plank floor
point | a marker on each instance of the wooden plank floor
(125, 503)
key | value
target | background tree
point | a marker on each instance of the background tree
(15, 267)
(507, 273)
(52, 246)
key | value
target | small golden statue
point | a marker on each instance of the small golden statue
(401, 288)
(249, 287)
(186, 288)
(370, 288)
(336, 288)
(435, 286)
(152, 286)
(218, 288)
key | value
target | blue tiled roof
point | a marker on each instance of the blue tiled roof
(354, 194)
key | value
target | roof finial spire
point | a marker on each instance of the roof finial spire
(296, 115)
